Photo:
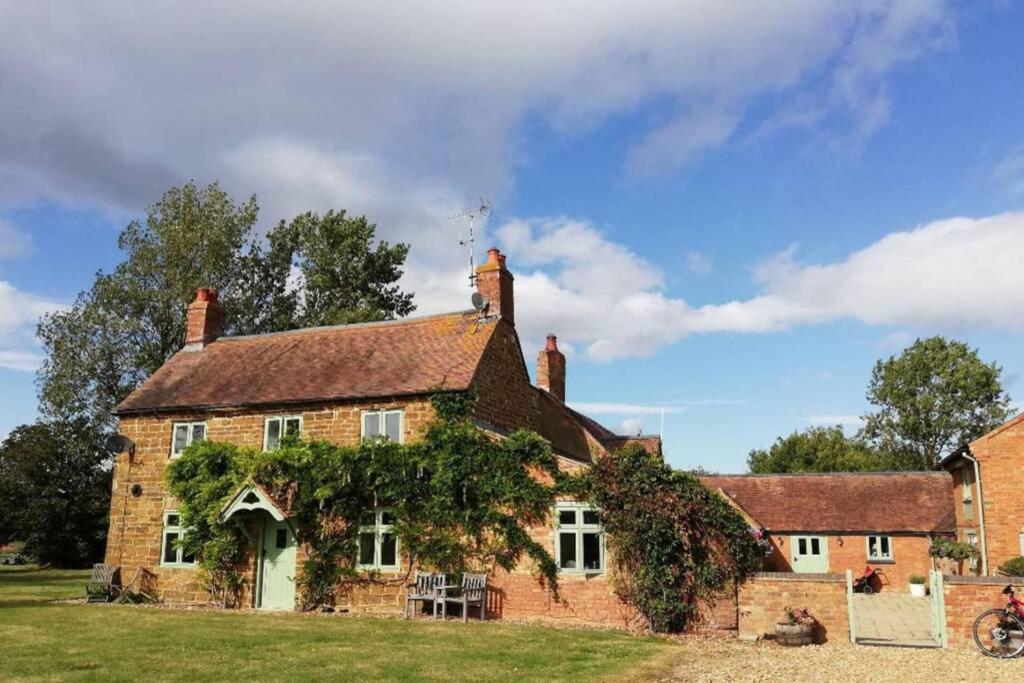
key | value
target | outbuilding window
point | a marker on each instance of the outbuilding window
(378, 544)
(276, 428)
(879, 548)
(184, 434)
(579, 539)
(383, 424)
(171, 553)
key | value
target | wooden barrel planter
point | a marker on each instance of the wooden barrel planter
(794, 635)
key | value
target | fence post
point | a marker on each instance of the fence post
(938, 598)
(851, 612)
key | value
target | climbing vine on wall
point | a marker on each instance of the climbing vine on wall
(673, 542)
(462, 500)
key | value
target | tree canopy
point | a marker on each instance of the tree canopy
(935, 396)
(55, 492)
(818, 449)
(313, 270)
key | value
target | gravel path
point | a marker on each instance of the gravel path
(720, 659)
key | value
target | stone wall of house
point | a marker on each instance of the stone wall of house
(505, 397)
(1000, 457)
(763, 599)
(136, 522)
(910, 556)
(965, 598)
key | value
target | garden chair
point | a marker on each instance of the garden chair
(426, 587)
(104, 584)
(472, 592)
(140, 589)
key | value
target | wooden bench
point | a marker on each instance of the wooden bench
(104, 584)
(424, 588)
(472, 592)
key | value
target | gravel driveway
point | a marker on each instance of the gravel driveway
(721, 659)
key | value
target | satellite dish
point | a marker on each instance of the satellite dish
(116, 443)
(480, 301)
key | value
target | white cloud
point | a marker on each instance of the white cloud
(599, 295)
(625, 408)
(698, 264)
(13, 242)
(19, 313)
(631, 426)
(833, 420)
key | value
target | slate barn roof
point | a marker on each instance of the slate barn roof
(394, 358)
(919, 502)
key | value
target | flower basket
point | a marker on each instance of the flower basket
(797, 629)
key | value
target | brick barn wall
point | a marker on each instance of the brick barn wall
(1001, 461)
(763, 599)
(910, 556)
(966, 597)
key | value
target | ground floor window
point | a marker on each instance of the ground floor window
(171, 553)
(972, 540)
(879, 549)
(579, 539)
(378, 544)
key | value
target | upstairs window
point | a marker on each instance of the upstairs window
(184, 434)
(383, 424)
(879, 549)
(378, 544)
(967, 492)
(276, 428)
(579, 539)
(171, 553)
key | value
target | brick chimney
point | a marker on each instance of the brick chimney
(494, 281)
(551, 369)
(204, 321)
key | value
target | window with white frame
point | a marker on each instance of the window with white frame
(171, 553)
(184, 434)
(378, 544)
(383, 424)
(1020, 542)
(579, 539)
(879, 549)
(967, 491)
(277, 428)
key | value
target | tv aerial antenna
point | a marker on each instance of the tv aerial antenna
(483, 210)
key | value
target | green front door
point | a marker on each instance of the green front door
(810, 554)
(277, 571)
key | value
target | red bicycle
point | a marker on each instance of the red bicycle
(999, 632)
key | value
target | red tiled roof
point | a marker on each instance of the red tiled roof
(394, 358)
(884, 502)
(652, 444)
(563, 427)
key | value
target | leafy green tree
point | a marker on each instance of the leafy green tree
(55, 492)
(818, 449)
(935, 396)
(314, 270)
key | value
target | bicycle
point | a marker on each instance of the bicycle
(999, 632)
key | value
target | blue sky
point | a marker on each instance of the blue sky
(724, 211)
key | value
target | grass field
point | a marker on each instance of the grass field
(46, 641)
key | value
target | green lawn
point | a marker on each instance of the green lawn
(46, 641)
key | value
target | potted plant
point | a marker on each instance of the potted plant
(917, 588)
(796, 628)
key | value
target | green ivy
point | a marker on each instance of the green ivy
(952, 550)
(674, 543)
(462, 499)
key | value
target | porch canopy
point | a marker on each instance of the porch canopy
(251, 497)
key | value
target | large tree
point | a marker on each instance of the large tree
(313, 270)
(55, 492)
(935, 396)
(818, 449)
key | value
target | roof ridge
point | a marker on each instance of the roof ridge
(352, 326)
(885, 473)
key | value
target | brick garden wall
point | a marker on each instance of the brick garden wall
(763, 599)
(966, 597)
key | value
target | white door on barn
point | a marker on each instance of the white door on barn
(809, 554)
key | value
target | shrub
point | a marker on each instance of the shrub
(797, 616)
(917, 579)
(953, 550)
(1013, 566)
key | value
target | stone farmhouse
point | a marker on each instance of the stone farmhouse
(349, 382)
(342, 384)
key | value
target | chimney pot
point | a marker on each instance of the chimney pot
(494, 255)
(552, 344)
